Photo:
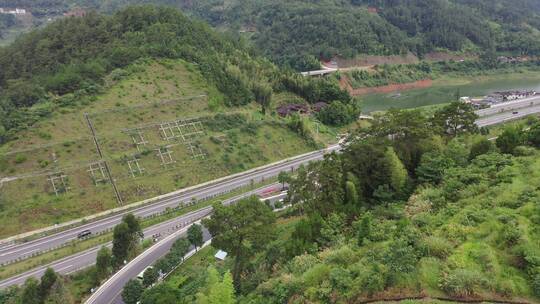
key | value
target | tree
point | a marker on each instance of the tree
(195, 235)
(180, 248)
(338, 113)
(456, 118)
(223, 292)
(510, 138)
(134, 226)
(31, 292)
(242, 229)
(283, 178)
(397, 173)
(126, 239)
(533, 135)
(432, 168)
(47, 281)
(351, 193)
(103, 263)
(263, 95)
(363, 228)
(217, 291)
(59, 294)
(150, 276)
(121, 243)
(132, 291)
(161, 294)
(480, 147)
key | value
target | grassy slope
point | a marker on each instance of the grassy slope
(469, 234)
(63, 143)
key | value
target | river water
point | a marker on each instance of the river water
(441, 93)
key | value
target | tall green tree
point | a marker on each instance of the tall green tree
(132, 291)
(121, 243)
(150, 276)
(480, 147)
(509, 139)
(180, 248)
(103, 263)
(47, 281)
(283, 178)
(397, 173)
(533, 135)
(263, 95)
(31, 292)
(195, 235)
(242, 230)
(456, 118)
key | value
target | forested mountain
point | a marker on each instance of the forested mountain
(72, 56)
(295, 33)
(299, 33)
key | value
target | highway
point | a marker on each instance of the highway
(13, 251)
(509, 106)
(507, 116)
(164, 230)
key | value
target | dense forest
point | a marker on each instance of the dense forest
(66, 62)
(300, 33)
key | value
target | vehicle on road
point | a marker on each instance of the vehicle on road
(84, 234)
(515, 112)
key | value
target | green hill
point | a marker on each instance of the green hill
(171, 103)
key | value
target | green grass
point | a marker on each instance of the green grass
(153, 92)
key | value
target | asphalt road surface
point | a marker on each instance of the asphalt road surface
(510, 106)
(161, 231)
(507, 116)
(110, 291)
(11, 252)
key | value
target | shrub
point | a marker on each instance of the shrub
(19, 159)
(536, 285)
(436, 247)
(462, 282)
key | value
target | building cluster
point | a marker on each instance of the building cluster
(293, 108)
(497, 98)
(14, 11)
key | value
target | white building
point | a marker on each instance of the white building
(17, 11)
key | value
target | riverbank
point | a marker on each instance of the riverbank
(445, 89)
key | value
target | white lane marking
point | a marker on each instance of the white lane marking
(63, 268)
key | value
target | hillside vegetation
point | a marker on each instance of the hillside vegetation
(172, 104)
(435, 212)
(299, 33)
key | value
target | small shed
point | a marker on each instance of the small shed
(221, 255)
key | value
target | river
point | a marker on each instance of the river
(441, 92)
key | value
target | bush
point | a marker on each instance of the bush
(462, 282)
(536, 285)
(436, 247)
(338, 114)
(19, 159)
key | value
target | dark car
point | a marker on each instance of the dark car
(84, 234)
(515, 112)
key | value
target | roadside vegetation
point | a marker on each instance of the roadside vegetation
(405, 211)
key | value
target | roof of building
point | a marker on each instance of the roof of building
(221, 255)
